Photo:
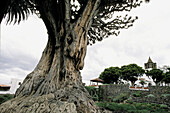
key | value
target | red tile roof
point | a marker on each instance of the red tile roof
(2, 85)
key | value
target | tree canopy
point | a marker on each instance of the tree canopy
(131, 72)
(142, 82)
(156, 74)
(110, 75)
(166, 74)
(102, 26)
(166, 78)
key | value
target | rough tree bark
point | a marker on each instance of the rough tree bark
(55, 85)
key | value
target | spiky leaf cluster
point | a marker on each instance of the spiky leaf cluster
(103, 24)
(19, 10)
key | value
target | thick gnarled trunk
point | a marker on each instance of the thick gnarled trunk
(55, 85)
(63, 56)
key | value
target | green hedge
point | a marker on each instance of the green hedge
(5, 97)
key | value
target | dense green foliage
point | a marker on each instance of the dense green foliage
(156, 74)
(134, 107)
(167, 96)
(127, 102)
(127, 72)
(110, 75)
(131, 72)
(161, 75)
(142, 82)
(150, 96)
(166, 78)
(137, 94)
(18, 10)
(120, 98)
(94, 92)
(5, 97)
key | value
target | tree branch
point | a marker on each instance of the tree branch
(104, 24)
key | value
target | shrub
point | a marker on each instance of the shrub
(134, 108)
(5, 97)
(112, 107)
(121, 97)
(160, 111)
(9, 96)
(137, 94)
(119, 107)
(163, 106)
(129, 101)
(126, 107)
(95, 97)
(138, 111)
(166, 96)
(101, 104)
(150, 96)
(93, 92)
(90, 88)
(2, 99)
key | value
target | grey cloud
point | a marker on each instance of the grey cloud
(21, 61)
(16, 66)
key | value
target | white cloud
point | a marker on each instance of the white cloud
(7, 74)
(21, 48)
(29, 37)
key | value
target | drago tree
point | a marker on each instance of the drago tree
(55, 84)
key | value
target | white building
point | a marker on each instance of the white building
(14, 85)
(148, 80)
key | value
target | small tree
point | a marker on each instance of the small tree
(110, 75)
(142, 82)
(166, 78)
(131, 72)
(166, 74)
(156, 75)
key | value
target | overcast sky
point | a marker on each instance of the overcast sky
(22, 45)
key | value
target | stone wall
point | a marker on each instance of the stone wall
(158, 90)
(110, 91)
(156, 94)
